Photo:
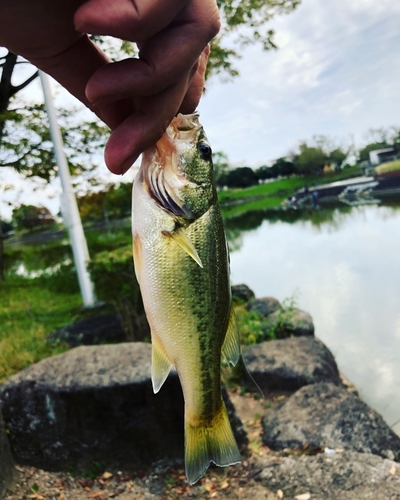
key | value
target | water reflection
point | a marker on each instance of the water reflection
(344, 261)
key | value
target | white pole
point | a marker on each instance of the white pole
(70, 210)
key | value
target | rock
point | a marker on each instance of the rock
(290, 363)
(242, 292)
(264, 306)
(325, 415)
(6, 462)
(95, 330)
(292, 321)
(95, 404)
(341, 476)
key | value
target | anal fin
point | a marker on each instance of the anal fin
(160, 366)
(184, 242)
(231, 345)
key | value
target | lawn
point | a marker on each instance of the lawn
(28, 313)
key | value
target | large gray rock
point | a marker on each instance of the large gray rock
(292, 321)
(6, 462)
(263, 306)
(290, 363)
(342, 476)
(95, 404)
(242, 292)
(325, 415)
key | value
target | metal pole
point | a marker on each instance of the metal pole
(70, 210)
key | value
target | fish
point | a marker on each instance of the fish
(181, 261)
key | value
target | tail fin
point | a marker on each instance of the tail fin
(210, 442)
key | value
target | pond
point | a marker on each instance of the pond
(342, 264)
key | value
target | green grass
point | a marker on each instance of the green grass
(28, 313)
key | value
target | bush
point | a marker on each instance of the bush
(115, 281)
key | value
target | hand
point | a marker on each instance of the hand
(136, 98)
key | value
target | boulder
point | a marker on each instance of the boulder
(95, 404)
(326, 415)
(292, 321)
(335, 476)
(290, 363)
(242, 292)
(6, 462)
(264, 306)
(102, 329)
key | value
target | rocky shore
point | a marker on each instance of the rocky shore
(85, 424)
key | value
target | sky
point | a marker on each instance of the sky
(336, 73)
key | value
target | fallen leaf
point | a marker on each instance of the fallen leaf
(214, 495)
(61, 496)
(224, 485)
(279, 494)
(303, 496)
(106, 475)
(392, 471)
(100, 495)
(60, 484)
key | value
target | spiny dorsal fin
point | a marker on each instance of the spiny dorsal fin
(184, 242)
(160, 366)
(231, 345)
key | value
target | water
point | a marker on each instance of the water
(344, 266)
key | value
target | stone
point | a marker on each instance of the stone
(334, 476)
(292, 321)
(6, 462)
(326, 415)
(96, 404)
(242, 292)
(95, 330)
(290, 364)
(264, 306)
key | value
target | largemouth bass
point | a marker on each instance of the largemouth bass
(182, 265)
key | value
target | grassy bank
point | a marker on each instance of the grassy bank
(235, 202)
(28, 313)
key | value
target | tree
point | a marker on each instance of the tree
(29, 217)
(241, 177)
(310, 159)
(283, 167)
(221, 167)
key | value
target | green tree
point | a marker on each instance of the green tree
(29, 217)
(241, 177)
(221, 167)
(310, 159)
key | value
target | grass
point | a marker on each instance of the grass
(28, 313)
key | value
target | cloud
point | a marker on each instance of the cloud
(336, 72)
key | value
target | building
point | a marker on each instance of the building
(379, 156)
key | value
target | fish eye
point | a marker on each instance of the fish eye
(204, 150)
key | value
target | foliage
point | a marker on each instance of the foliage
(111, 202)
(115, 282)
(363, 154)
(310, 159)
(221, 166)
(241, 177)
(244, 22)
(254, 328)
(29, 217)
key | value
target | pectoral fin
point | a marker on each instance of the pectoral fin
(160, 366)
(231, 345)
(184, 242)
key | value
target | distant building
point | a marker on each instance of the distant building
(382, 156)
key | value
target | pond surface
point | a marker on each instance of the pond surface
(343, 266)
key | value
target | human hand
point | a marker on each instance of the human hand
(136, 98)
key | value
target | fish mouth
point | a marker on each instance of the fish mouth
(161, 171)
